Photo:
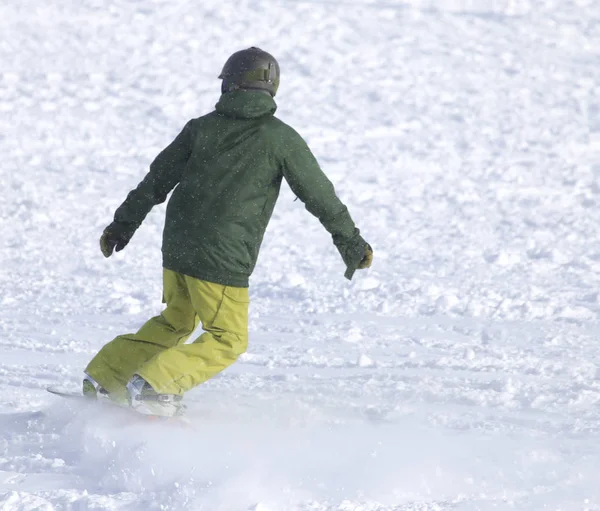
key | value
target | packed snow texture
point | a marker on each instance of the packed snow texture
(461, 372)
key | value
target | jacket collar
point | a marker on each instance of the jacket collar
(246, 104)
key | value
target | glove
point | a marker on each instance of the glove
(355, 252)
(115, 237)
(367, 259)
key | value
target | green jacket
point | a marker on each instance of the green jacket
(226, 168)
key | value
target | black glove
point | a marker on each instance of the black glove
(355, 252)
(115, 237)
(367, 259)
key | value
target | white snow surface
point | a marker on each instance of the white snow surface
(461, 372)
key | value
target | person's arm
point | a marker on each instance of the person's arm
(165, 173)
(306, 179)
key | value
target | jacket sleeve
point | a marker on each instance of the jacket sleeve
(306, 179)
(165, 173)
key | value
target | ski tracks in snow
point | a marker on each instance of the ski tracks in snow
(431, 414)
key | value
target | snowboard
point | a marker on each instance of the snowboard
(78, 396)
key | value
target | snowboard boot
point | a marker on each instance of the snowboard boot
(144, 399)
(92, 389)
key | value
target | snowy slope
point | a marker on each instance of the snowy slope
(460, 373)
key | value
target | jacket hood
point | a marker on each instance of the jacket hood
(246, 104)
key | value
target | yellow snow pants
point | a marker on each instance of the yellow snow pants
(158, 353)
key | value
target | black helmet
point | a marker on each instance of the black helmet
(250, 69)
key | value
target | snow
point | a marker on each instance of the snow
(461, 372)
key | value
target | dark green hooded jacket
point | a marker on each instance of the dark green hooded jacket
(226, 168)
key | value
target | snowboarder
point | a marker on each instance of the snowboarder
(226, 168)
